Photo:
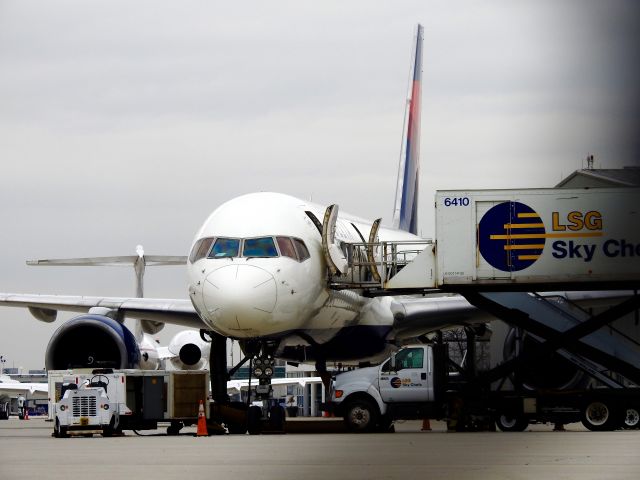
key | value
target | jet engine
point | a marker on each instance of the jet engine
(149, 354)
(187, 351)
(540, 369)
(92, 341)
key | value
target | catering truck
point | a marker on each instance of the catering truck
(418, 383)
(537, 239)
(108, 401)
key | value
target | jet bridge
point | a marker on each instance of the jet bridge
(499, 247)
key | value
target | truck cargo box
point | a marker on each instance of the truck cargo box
(569, 237)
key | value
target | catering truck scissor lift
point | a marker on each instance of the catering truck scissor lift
(506, 252)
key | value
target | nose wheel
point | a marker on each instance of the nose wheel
(242, 417)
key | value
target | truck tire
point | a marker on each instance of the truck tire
(631, 418)
(385, 424)
(59, 431)
(110, 429)
(361, 415)
(512, 423)
(600, 416)
(254, 420)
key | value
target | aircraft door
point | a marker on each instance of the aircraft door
(412, 378)
(332, 252)
(371, 256)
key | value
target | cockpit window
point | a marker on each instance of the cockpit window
(301, 248)
(200, 249)
(259, 247)
(286, 247)
(225, 247)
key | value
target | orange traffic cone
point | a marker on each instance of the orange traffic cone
(202, 422)
(26, 414)
(426, 425)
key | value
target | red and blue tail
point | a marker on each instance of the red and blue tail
(405, 215)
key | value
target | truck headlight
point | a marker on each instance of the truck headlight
(62, 408)
(106, 406)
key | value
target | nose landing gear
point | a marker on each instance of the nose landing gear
(242, 417)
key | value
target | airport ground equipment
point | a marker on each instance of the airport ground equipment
(84, 399)
(516, 240)
(506, 251)
(422, 381)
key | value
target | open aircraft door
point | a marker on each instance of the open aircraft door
(371, 254)
(332, 252)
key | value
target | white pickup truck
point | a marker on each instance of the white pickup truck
(415, 383)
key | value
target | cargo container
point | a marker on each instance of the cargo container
(538, 238)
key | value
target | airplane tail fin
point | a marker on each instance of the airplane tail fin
(405, 213)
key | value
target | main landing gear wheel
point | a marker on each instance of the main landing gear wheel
(600, 416)
(277, 418)
(511, 423)
(254, 420)
(631, 418)
(361, 416)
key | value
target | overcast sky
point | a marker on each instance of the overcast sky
(127, 122)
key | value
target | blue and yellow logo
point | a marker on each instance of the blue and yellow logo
(511, 236)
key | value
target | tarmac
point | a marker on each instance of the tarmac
(28, 451)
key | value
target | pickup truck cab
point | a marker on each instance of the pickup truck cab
(404, 386)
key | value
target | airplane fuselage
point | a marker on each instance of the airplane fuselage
(260, 273)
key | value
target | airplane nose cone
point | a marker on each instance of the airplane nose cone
(240, 298)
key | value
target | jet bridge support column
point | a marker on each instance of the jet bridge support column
(573, 332)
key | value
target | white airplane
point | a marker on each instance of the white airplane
(11, 387)
(259, 272)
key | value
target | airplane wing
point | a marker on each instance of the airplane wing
(45, 307)
(415, 316)
(17, 388)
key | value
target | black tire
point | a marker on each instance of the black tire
(241, 427)
(631, 417)
(277, 418)
(385, 424)
(361, 415)
(254, 420)
(59, 431)
(512, 423)
(174, 429)
(110, 429)
(601, 416)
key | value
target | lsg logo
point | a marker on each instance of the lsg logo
(512, 236)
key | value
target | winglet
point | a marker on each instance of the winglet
(405, 213)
